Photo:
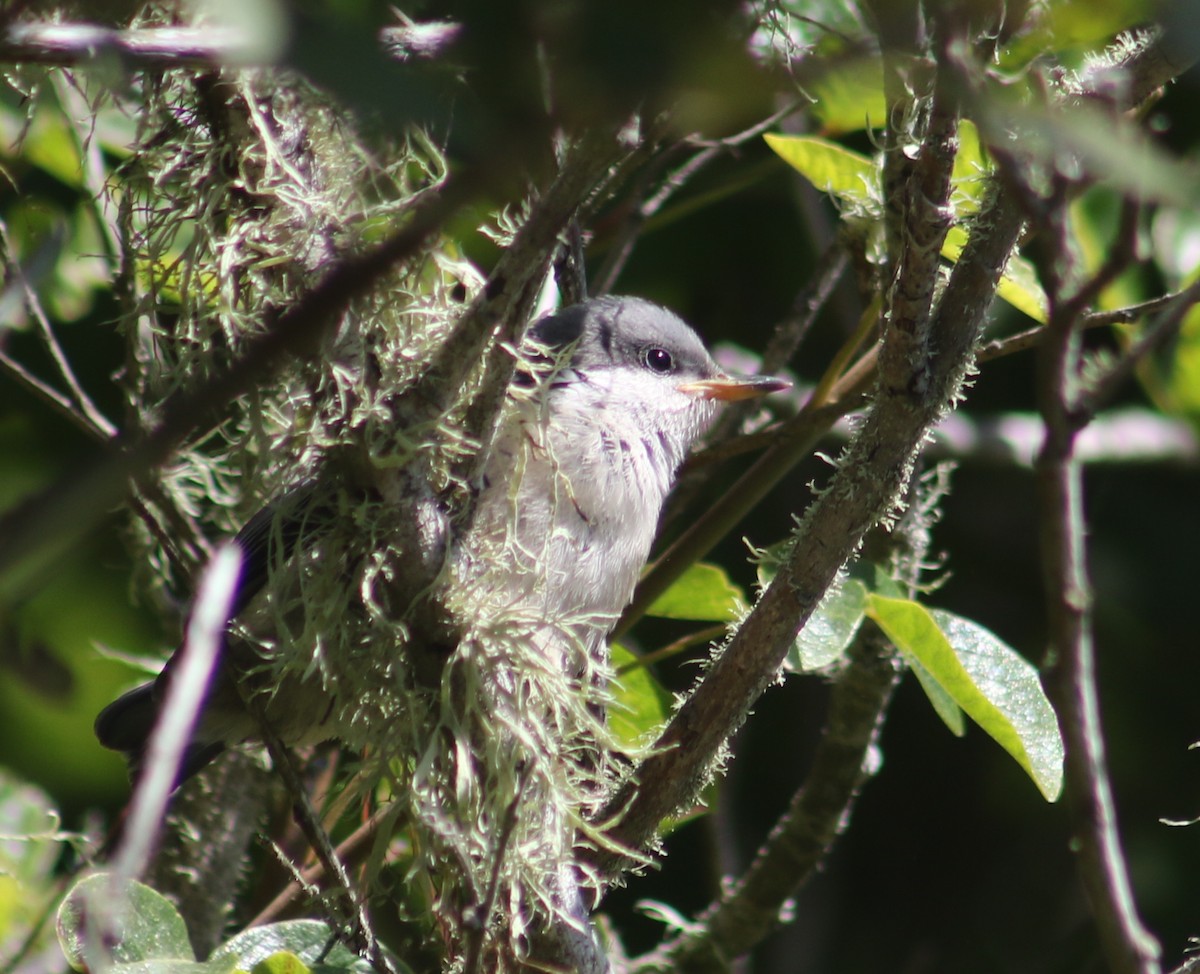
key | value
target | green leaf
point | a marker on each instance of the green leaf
(306, 940)
(988, 679)
(640, 704)
(943, 704)
(850, 176)
(970, 175)
(1018, 285)
(849, 97)
(831, 628)
(145, 924)
(281, 962)
(703, 593)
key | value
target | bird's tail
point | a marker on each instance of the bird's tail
(126, 723)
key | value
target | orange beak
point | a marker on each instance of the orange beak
(732, 388)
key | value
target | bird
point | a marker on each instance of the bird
(608, 398)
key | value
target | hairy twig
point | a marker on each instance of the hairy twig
(750, 908)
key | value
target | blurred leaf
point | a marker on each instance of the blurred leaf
(988, 679)
(29, 848)
(1175, 236)
(971, 170)
(147, 926)
(1076, 24)
(29, 831)
(1090, 142)
(640, 704)
(1174, 381)
(703, 593)
(46, 141)
(831, 168)
(849, 97)
(166, 965)
(1094, 223)
(305, 940)
(1018, 286)
(831, 628)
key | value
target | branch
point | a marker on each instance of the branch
(818, 813)
(1128, 946)
(163, 47)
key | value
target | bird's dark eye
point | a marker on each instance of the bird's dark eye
(658, 360)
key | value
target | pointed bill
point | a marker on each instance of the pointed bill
(731, 388)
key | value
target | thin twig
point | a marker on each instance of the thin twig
(362, 935)
(1128, 946)
(1166, 325)
(82, 401)
(676, 180)
(344, 852)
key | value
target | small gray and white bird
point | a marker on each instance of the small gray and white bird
(611, 396)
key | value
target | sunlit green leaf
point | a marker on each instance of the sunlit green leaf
(988, 679)
(832, 168)
(830, 630)
(703, 593)
(281, 962)
(943, 704)
(640, 704)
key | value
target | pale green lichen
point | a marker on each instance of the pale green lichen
(239, 194)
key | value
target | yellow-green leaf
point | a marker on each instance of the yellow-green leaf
(828, 633)
(988, 679)
(849, 97)
(832, 168)
(640, 704)
(704, 593)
